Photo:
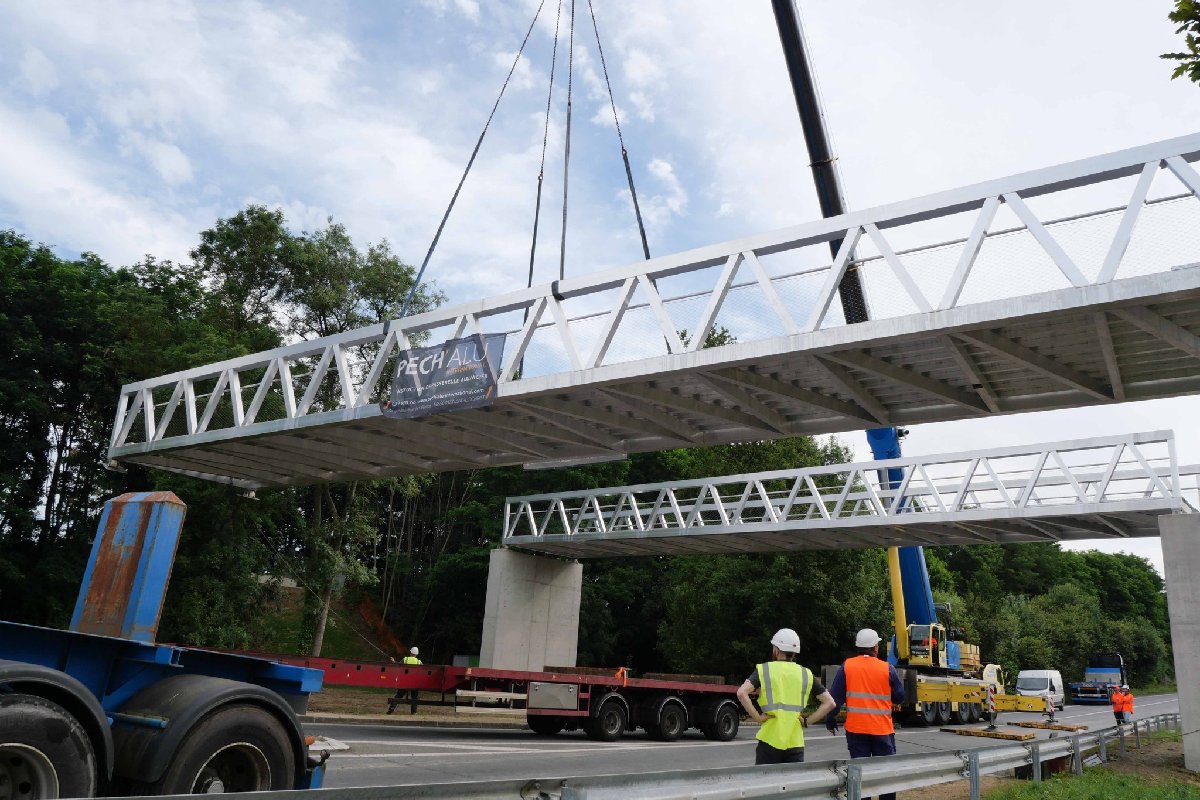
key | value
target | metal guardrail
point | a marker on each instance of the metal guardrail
(1101, 475)
(809, 781)
(616, 317)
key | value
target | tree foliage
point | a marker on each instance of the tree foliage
(1187, 17)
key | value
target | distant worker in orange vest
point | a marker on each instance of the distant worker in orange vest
(783, 688)
(1122, 704)
(869, 687)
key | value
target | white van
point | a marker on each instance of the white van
(1037, 682)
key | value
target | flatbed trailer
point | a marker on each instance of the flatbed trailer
(605, 703)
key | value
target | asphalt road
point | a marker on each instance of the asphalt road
(396, 754)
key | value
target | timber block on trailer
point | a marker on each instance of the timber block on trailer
(1014, 737)
(1049, 726)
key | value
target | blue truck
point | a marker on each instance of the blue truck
(101, 710)
(1104, 671)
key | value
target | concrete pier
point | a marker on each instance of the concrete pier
(1181, 557)
(531, 615)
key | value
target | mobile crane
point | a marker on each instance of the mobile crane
(944, 678)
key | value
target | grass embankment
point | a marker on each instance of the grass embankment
(1155, 772)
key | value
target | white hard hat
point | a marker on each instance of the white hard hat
(866, 638)
(786, 640)
(414, 651)
(1125, 686)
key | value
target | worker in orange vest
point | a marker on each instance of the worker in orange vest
(1122, 703)
(869, 687)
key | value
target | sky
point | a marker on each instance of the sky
(129, 127)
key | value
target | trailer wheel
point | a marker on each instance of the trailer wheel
(724, 725)
(238, 748)
(44, 751)
(544, 725)
(960, 715)
(671, 723)
(609, 724)
(975, 711)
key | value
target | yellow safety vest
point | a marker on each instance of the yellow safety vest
(783, 688)
(411, 660)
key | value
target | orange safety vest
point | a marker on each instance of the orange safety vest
(868, 696)
(1122, 701)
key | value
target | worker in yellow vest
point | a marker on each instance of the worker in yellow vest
(412, 658)
(783, 688)
(869, 687)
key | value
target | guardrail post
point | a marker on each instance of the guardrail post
(1103, 746)
(973, 773)
(1121, 738)
(1078, 755)
(1035, 761)
(853, 782)
(1137, 734)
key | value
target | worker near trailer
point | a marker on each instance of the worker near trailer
(869, 687)
(412, 658)
(1122, 704)
(783, 687)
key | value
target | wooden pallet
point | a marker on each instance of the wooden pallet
(1015, 737)
(1049, 726)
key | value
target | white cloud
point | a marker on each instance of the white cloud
(468, 8)
(168, 160)
(671, 199)
(522, 74)
(38, 72)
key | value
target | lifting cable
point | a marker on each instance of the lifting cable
(562, 250)
(537, 208)
(637, 210)
(454, 198)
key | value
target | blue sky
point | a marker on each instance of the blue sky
(128, 127)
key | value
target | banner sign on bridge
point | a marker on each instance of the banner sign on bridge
(453, 376)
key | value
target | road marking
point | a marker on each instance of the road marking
(550, 751)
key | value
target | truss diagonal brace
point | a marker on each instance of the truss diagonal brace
(916, 380)
(1037, 362)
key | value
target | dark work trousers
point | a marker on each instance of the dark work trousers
(765, 754)
(412, 696)
(864, 745)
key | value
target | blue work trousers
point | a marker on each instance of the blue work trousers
(864, 745)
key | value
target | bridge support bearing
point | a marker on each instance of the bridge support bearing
(1181, 557)
(531, 615)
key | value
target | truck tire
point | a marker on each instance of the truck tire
(724, 725)
(960, 715)
(671, 722)
(609, 723)
(237, 748)
(976, 712)
(44, 751)
(544, 725)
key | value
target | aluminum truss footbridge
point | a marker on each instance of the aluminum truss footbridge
(1113, 487)
(1074, 285)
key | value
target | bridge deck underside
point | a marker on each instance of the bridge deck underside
(984, 527)
(1132, 339)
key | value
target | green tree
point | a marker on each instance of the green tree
(1187, 18)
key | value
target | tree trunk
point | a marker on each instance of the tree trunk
(319, 634)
